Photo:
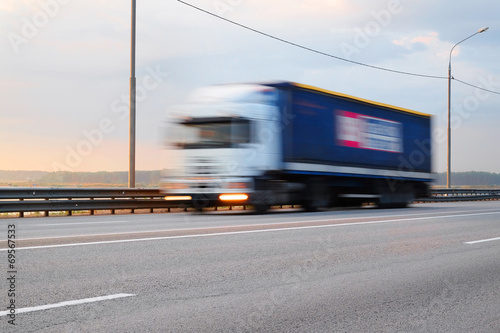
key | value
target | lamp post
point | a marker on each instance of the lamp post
(131, 169)
(448, 169)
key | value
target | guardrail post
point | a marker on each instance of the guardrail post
(91, 211)
(70, 213)
(21, 214)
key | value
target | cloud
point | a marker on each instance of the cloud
(421, 42)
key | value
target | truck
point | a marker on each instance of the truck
(286, 143)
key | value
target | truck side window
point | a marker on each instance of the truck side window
(241, 131)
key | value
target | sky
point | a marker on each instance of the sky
(65, 70)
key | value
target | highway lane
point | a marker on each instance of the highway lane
(347, 270)
(30, 228)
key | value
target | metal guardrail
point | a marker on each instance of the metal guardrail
(21, 200)
(457, 194)
(65, 193)
(464, 191)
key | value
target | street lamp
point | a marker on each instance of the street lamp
(131, 168)
(448, 170)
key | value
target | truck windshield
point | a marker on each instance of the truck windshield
(213, 133)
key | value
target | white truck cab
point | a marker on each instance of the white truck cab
(220, 143)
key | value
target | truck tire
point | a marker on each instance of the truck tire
(200, 201)
(397, 198)
(261, 209)
(262, 198)
(316, 195)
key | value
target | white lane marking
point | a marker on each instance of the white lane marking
(482, 241)
(239, 225)
(246, 231)
(67, 303)
(70, 223)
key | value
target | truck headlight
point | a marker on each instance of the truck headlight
(178, 197)
(233, 197)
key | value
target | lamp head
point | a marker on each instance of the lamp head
(482, 30)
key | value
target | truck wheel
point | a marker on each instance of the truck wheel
(316, 196)
(310, 206)
(399, 198)
(198, 209)
(261, 201)
(200, 201)
(261, 209)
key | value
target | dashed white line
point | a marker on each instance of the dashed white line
(482, 241)
(67, 303)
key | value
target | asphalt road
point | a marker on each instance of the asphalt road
(418, 269)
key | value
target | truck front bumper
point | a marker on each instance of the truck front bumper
(208, 192)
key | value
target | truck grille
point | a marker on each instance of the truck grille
(203, 167)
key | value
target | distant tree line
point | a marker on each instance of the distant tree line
(142, 178)
(470, 178)
(20, 176)
(152, 178)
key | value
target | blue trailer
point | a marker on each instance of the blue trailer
(288, 143)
